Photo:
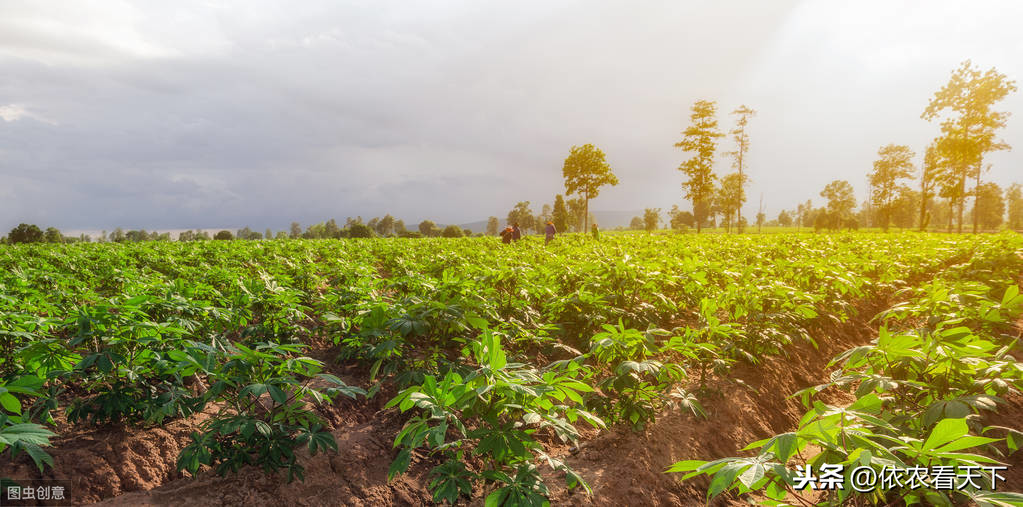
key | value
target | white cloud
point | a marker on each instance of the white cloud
(12, 112)
(15, 112)
(106, 32)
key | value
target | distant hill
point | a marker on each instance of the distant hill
(605, 220)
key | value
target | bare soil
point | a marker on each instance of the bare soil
(106, 461)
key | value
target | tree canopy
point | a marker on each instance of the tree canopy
(968, 128)
(700, 139)
(741, 138)
(585, 171)
(25, 233)
(841, 201)
(894, 163)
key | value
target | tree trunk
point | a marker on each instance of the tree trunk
(923, 207)
(962, 204)
(886, 215)
(586, 214)
(742, 185)
(976, 201)
(951, 207)
(696, 215)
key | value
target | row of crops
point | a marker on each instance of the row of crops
(941, 361)
(496, 351)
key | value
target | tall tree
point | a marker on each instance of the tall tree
(539, 224)
(522, 215)
(1014, 201)
(784, 218)
(700, 138)
(585, 172)
(331, 230)
(360, 230)
(930, 174)
(315, 231)
(53, 235)
(296, 230)
(679, 218)
(427, 228)
(703, 211)
(951, 177)
(730, 197)
(576, 213)
(989, 206)
(385, 227)
(492, 225)
(894, 163)
(904, 207)
(25, 233)
(806, 217)
(719, 206)
(841, 201)
(560, 214)
(373, 223)
(761, 217)
(246, 233)
(452, 231)
(969, 130)
(651, 218)
(741, 137)
(802, 210)
(545, 213)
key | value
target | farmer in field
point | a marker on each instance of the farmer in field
(516, 232)
(550, 231)
(506, 235)
(596, 232)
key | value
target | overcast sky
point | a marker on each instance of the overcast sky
(225, 114)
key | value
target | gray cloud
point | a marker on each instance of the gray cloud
(260, 113)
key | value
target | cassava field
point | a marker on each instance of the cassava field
(638, 369)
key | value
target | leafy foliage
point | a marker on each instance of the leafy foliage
(919, 392)
(142, 333)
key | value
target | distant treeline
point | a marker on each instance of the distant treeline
(386, 226)
(992, 206)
